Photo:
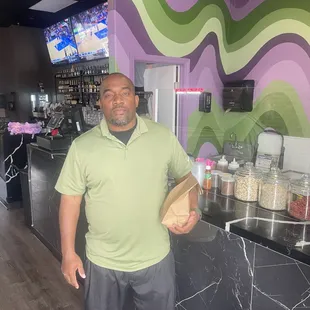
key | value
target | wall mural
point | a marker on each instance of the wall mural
(225, 40)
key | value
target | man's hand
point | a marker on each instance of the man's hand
(193, 218)
(70, 265)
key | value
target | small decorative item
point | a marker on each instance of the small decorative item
(16, 128)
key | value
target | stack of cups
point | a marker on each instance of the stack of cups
(198, 171)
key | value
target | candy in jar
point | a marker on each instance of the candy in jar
(299, 198)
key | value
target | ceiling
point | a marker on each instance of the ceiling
(17, 12)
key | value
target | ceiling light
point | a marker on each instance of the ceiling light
(52, 6)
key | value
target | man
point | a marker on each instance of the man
(122, 167)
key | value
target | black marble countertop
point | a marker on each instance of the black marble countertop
(257, 224)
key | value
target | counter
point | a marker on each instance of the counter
(252, 265)
(275, 230)
(8, 144)
(44, 169)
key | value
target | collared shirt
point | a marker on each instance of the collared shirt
(124, 136)
(125, 187)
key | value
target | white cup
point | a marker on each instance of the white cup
(198, 172)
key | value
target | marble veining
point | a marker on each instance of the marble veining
(279, 282)
(215, 272)
(228, 224)
(199, 292)
(281, 304)
(216, 269)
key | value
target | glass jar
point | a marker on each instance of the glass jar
(273, 191)
(222, 175)
(299, 198)
(227, 188)
(247, 182)
(215, 178)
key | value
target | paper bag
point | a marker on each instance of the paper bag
(176, 208)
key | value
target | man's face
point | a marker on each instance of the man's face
(118, 101)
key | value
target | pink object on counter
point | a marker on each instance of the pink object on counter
(200, 160)
(16, 128)
(211, 163)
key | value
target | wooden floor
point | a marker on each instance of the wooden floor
(30, 277)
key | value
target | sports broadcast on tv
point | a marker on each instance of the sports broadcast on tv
(90, 29)
(60, 43)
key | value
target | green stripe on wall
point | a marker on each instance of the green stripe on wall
(183, 27)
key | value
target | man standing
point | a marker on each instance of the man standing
(122, 167)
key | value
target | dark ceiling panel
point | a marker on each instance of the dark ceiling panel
(17, 4)
(16, 12)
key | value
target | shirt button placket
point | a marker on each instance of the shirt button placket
(126, 150)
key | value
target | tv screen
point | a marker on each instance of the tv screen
(90, 29)
(60, 43)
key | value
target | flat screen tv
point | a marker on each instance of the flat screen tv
(60, 43)
(90, 29)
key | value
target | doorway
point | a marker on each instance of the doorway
(155, 85)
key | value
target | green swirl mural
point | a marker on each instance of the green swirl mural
(227, 40)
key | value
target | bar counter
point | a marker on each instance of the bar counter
(44, 169)
(247, 264)
(275, 230)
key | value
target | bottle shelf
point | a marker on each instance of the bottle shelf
(79, 76)
(78, 93)
(96, 74)
(67, 77)
(84, 80)
(69, 93)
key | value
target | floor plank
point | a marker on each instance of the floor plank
(30, 277)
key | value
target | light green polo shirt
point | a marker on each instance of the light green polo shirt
(125, 187)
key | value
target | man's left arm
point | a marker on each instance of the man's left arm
(180, 169)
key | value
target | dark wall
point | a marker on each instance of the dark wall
(23, 63)
(6, 61)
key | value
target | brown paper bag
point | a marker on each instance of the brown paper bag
(176, 208)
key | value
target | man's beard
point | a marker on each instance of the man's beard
(121, 121)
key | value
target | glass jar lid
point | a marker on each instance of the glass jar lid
(216, 172)
(228, 179)
(276, 176)
(302, 185)
(249, 170)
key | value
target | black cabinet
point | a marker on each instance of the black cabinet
(44, 169)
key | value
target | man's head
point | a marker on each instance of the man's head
(118, 101)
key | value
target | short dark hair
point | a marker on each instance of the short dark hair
(121, 75)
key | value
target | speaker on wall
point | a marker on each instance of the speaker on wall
(205, 99)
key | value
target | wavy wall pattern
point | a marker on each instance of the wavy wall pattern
(264, 40)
